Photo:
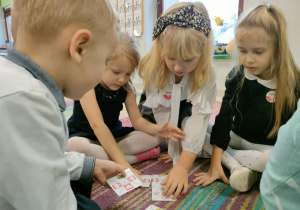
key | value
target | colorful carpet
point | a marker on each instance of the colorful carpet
(216, 196)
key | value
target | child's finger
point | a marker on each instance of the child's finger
(178, 136)
(178, 191)
(224, 178)
(169, 160)
(164, 125)
(185, 188)
(179, 131)
(173, 139)
(165, 181)
(171, 189)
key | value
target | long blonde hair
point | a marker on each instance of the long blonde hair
(283, 68)
(183, 43)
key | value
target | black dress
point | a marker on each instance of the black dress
(110, 104)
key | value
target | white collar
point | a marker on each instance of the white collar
(267, 83)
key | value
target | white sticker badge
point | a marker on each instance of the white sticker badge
(271, 96)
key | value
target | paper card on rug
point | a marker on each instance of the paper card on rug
(152, 207)
(122, 185)
(157, 188)
(146, 179)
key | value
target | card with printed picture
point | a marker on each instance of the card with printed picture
(152, 207)
(157, 189)
(146, 179)
(122, 185)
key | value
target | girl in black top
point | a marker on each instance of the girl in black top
(260, 96)
(95, 128)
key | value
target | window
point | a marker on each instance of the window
(7, 16)
(224, 16)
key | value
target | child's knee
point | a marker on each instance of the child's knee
(77, 144)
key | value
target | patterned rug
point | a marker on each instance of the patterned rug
(215, 196)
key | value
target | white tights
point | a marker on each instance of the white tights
(130, 144)
(241, 152)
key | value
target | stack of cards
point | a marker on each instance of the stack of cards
(122, 185)
(157, 188)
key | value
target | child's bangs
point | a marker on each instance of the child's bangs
(181, 43)
(244, 32)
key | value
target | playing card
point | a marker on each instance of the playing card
(152, 207)
(122, 185)
(146, 179)
(157, 188)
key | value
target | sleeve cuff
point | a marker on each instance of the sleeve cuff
(88, 168)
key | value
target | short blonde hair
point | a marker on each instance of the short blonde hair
(44, 19)
(128, 47)
(283, 68)
(183, 43)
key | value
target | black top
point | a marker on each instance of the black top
(110, 104)
(252, 117)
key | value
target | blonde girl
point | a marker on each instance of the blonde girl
(95, 128)
(180, 85)
(261, 95)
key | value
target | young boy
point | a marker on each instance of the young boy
(61, 48)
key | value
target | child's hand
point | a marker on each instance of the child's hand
(176, 182)
(136, 173)
(165, 156)
(213, 173)
(105, 169)
(169, 132)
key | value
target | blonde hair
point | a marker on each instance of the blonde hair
(129, 48)
(45, 19)
(179, 42)
(283, 68)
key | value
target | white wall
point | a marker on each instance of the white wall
(145, 41)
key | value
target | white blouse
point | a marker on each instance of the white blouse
(165, 105)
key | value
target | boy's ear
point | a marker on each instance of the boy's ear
(78, 44)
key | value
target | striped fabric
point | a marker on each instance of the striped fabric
(216, 196)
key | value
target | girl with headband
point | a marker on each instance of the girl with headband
(180, 85)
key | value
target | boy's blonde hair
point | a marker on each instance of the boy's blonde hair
(283, 68)
(45, 19)
(183, 43)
